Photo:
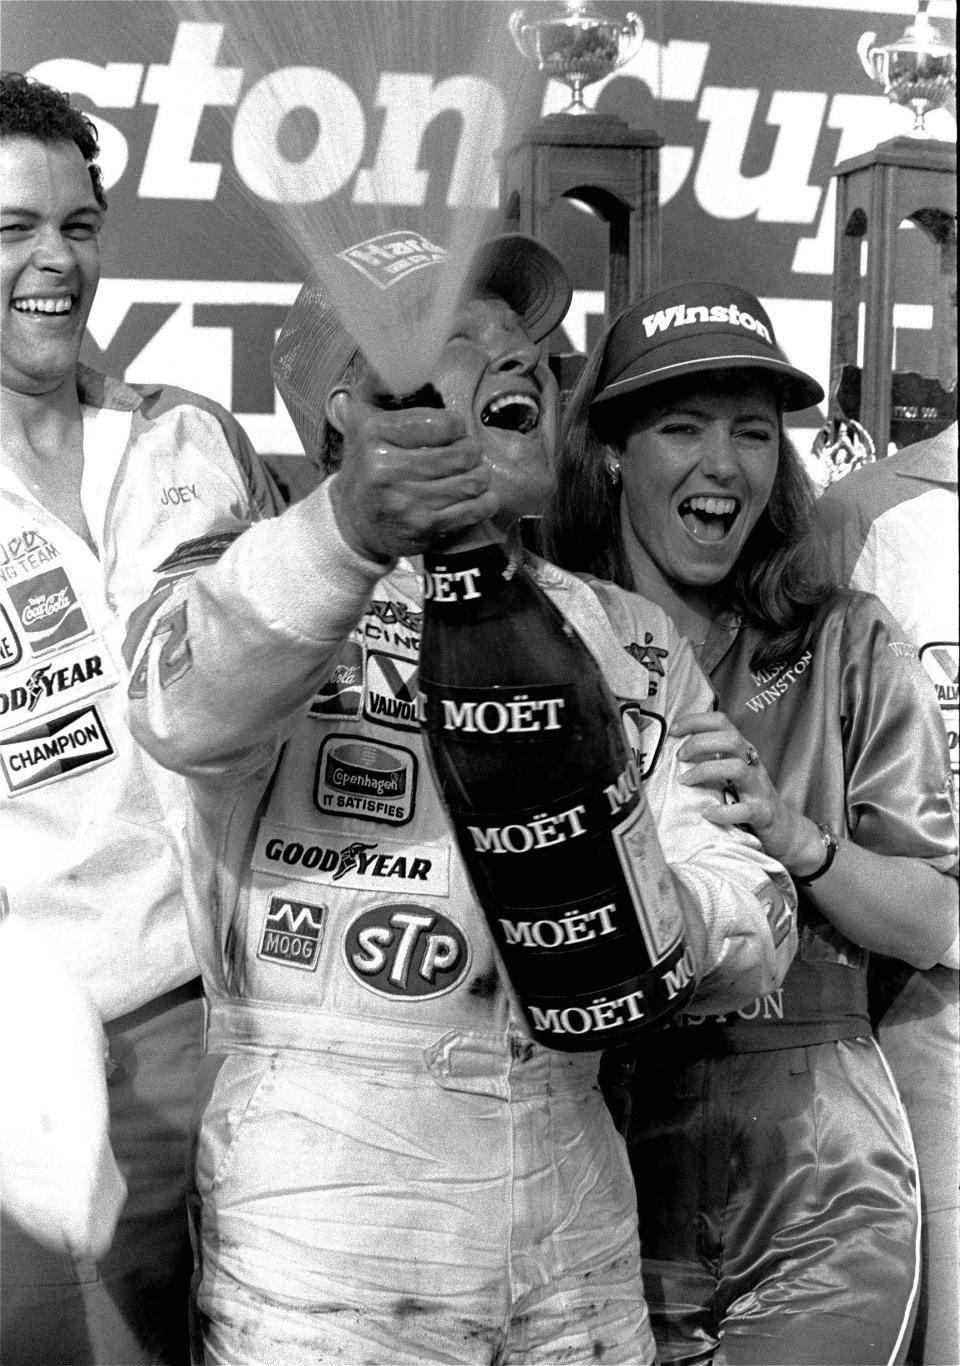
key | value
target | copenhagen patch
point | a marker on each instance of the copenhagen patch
(48, 609)
(333, 859)
(371, 780)
(55, 750)
(406, 950)
(292, 934)
(391, 256)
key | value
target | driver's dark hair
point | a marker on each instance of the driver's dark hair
(29, 108)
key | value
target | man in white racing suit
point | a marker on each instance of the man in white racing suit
(390, 1168)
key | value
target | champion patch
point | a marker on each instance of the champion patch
(644, 731)
(390, 257)
(55, 750)
(373, 781)
(49, 611)
(406, 951)
(366, 865)
(11, 651)
(292, 934)
(391, 695)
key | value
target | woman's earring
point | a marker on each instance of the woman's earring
(613, 472)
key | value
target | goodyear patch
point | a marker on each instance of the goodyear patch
(645, 732)
(365, 865)
(73, 675)
(66, 745)
(48, 611)
(292, 934)
(405, 950)
(372, 780)
(390, 257)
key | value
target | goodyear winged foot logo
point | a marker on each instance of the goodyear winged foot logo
(329, 858)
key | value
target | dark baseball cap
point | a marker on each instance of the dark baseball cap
(695, 327)
(314, 349)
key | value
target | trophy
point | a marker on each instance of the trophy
(919, 70)
(575, 43)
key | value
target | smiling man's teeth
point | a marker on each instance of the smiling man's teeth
(61, 305)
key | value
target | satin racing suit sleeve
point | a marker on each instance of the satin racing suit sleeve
(746, 900)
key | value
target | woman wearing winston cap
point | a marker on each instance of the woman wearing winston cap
(775, 1171)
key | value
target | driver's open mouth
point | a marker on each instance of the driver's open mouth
(708, 519)
(512, 413)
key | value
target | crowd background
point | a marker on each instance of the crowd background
(757, 103)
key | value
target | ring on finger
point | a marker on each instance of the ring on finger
(753, 758)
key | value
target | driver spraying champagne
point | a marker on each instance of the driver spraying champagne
(392, 1167)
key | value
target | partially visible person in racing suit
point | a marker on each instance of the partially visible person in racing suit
(89, 825)
(891, 529)
(776, 1176)
(391, 1169)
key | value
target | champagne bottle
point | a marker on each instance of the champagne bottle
(530, 755)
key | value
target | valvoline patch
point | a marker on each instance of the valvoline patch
(406, 950)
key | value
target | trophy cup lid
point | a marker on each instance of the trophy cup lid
(923, 35)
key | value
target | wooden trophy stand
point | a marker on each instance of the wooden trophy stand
(905, 178)
(615, 169)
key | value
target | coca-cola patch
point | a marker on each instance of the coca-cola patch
(342, 693)
(292, 934)
(48, 609)
(406, 950)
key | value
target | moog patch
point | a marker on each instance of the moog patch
(373, 781)
(292, 934)
(62, 746)
(332, 859)
(49, 611)
(406, 950)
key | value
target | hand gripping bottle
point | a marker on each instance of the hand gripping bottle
(530, 755)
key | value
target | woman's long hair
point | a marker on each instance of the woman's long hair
(779, 584)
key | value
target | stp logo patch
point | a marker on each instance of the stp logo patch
(292, 934)
(406, 950)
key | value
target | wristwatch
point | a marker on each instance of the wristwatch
(830, 846)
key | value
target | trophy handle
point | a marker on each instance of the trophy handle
(864, 52)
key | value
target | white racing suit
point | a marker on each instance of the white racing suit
(391, 1170)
